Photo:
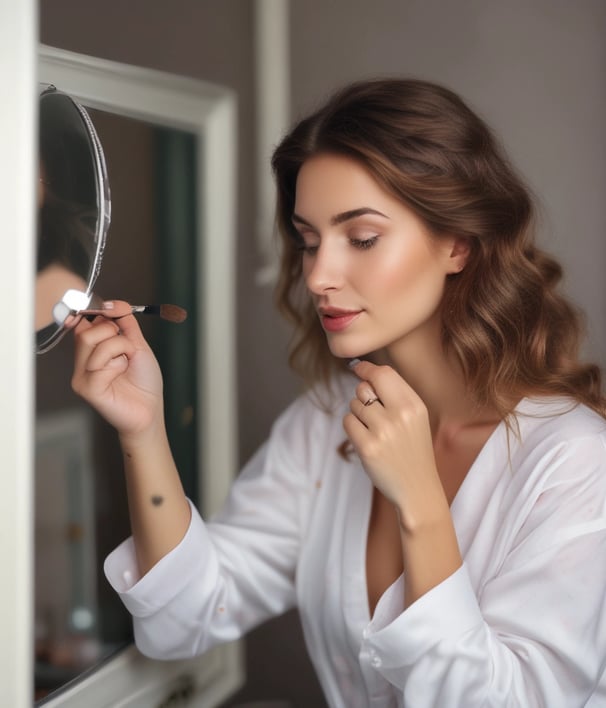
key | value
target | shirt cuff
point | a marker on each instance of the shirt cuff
(447, 611)
(143, 596)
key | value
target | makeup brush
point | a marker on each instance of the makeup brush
(171, 313)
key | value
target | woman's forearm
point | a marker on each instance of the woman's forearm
(431, 554)
(159, 510)
(117, 373)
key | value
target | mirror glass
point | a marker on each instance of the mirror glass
(73, 212)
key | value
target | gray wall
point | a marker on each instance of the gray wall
(535, 69)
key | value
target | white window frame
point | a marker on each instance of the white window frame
(18, 168)
(209, 112)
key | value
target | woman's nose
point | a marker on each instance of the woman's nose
(323, 270)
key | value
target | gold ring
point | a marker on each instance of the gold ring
(371, 400)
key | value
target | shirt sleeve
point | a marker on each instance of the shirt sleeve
(226, 575)
(533, 634)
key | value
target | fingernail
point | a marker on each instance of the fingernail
(353, 363)
(108, 305)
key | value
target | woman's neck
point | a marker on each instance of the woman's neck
(437, 378)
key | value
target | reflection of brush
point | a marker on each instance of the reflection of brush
(171, 313)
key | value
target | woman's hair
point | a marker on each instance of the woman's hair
(502, 316)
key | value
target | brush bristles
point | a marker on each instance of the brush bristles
(172, 313)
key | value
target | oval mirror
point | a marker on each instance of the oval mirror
(73, 213)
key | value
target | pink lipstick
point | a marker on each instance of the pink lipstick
(335, 320)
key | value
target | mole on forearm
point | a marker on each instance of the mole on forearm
(157, 500)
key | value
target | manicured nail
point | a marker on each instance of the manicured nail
(108, 305)
(353, 363)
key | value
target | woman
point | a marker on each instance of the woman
(439, 516)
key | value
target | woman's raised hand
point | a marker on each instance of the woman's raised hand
(117, 373)
(389, 428)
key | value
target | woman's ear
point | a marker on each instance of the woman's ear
(459, 253)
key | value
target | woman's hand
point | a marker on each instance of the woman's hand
(392, 437)
(117, 373)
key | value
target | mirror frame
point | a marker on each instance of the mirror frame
(102, 189)
(209, 112)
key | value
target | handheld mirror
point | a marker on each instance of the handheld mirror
(73, 213)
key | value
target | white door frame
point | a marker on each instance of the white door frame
(18, 170)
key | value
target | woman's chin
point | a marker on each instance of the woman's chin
(341, 350)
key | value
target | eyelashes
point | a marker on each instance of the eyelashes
(362, 244)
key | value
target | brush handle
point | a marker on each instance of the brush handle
(145, 309)
(171, 313)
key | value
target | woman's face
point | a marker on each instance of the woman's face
(375, 274)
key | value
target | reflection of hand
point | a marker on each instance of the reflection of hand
(117, 373)
(392, 437)
(52, 282)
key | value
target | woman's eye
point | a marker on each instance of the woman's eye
(360, 242)
(310, 250)
(363, 243)
(306, 247)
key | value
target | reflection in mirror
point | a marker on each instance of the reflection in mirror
(73, 209)
(81, 511)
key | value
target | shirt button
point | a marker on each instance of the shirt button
(376, 662)
(365, 633)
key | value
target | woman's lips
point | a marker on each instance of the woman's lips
(337, 320)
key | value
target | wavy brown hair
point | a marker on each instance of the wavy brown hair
(511, 330)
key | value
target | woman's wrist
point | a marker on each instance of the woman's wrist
(148, 438)
(424, 511)
(430, 553)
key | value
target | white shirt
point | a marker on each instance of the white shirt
(521, 623)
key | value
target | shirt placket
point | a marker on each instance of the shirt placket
(355, 594)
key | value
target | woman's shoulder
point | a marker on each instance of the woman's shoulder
(556, 489)
(563, 430)
(320, 405)
(307, 435)
(561, 416)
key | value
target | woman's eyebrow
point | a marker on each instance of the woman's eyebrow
(343, 216)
